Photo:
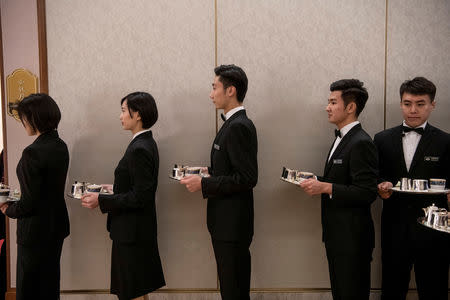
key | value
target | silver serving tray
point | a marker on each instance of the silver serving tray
(421, 221)
(179, 179)
(427, 192)
(101, 193)
(292, 181)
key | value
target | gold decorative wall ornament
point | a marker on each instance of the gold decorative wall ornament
(19, 84)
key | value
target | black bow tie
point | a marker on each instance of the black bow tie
(419, 130)
(337, 133)
(223, 117)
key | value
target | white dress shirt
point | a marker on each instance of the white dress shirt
(344, 130)
(233, 111)
(410, 141)
(140, 132)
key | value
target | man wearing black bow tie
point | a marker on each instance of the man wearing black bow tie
(229, 189)
(413, 150)
(348, 188)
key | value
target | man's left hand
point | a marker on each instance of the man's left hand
(89, 200)
(315, 187)
(193, 183)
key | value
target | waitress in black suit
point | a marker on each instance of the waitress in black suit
(348, 188)
(135, 263)
(41, 213)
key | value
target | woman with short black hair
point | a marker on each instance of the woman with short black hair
(41, 213)
(135, 263)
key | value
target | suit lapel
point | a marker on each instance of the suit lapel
(228, 121)
(397, 143)
(423, 144)
(328, 160)
(341, 146)
(224, 127)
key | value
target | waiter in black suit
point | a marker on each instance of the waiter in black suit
(41, 213)
(135, 262)
(229, 189)
(348, 188)
(413, 150)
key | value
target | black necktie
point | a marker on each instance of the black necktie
(419, 130)
(337, 133)
(223, 117)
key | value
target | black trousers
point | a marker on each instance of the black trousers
(425, 249)
(234, 269)
(38, 271)
(349, 275)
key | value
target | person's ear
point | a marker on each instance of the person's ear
(351, 108)
(231, 91)
(135, 114)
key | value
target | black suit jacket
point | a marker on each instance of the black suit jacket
(41, 212)
(131, 210)
(234, 174)
(346, 218)
(431, 160)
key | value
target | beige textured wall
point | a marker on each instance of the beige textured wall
(291, 50)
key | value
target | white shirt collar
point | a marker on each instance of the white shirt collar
(347, 128)
(233, 111)
(140, 132)
(423, 125)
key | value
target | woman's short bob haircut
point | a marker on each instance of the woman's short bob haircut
(40, 111)
(145, 105)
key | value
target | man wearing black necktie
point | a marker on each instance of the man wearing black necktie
(229, 189)
(413, 150)
(348, 188)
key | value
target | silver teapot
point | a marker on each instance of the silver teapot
(440, 219)
(429, 213)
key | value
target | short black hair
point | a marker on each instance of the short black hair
(145, 105)
(418, 86)
(232, 75)
(352, 91)
(40, 111)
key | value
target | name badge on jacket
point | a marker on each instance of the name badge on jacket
(337, 161)
(431, 158)
(217, 147)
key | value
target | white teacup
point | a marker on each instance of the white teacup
(437, 184)
(94, 188)
(305, 175)
(193, 171)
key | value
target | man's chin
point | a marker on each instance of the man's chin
(413, 123)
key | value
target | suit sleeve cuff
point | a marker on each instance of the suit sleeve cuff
(101, 203)
(204, 184)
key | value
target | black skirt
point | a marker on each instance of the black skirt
(38, 270)
(135, 269)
